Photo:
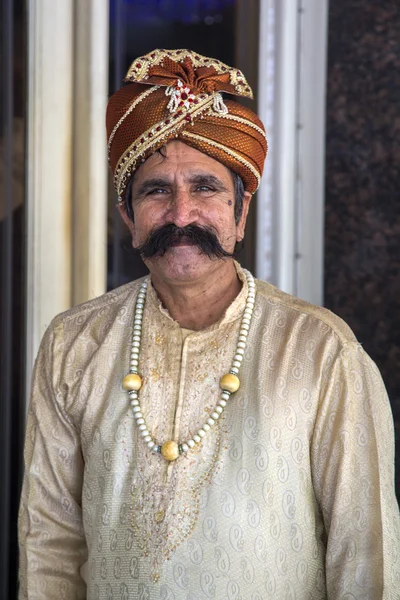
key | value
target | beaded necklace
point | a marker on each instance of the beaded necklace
(229, 383)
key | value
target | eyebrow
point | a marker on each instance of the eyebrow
(150, 184)
(196, 178)
(210, 180)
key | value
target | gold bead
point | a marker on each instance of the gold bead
(132, 381)
(170, 450)
(230, 383)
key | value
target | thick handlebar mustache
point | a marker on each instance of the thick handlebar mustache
(167, 236)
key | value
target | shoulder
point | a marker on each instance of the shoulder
(75, 336)
(296, 309)
(108, 303)
(93, 319)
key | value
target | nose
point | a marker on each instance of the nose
(183, 209)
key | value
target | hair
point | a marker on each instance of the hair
(238, 190)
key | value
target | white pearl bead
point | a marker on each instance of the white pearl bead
(134, 362)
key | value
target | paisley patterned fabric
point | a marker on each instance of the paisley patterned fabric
(290, 497)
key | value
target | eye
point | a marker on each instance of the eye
(156, 191)
(205, 188)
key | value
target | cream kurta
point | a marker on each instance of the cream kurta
(290, 496)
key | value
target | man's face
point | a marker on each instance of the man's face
(184, 187)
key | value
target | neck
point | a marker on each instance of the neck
(198, 304)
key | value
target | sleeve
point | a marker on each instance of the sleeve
(353, 472)
(51, 538)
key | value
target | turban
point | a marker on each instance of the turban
(176, 94)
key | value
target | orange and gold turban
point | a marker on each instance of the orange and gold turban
(177, 94)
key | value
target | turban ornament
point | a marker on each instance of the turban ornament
(176, 94)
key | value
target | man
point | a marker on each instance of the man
(199, 434)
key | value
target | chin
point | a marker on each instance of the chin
(182, 264)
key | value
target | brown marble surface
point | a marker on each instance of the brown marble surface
(362, 235)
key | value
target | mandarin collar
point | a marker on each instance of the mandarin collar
(233, 312)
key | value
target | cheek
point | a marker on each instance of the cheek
(146, 220)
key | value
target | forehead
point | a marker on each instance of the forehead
(179, 159)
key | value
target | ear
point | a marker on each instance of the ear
(240, 227)
(130, 224)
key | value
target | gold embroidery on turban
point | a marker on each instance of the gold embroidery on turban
(183, 101)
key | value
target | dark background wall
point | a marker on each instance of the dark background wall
(362, 243)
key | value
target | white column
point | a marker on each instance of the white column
(285, 138)
(291, 88)
(89, 243)
(278, 110)
(311, 150)
(49, 163)
(66, 159)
